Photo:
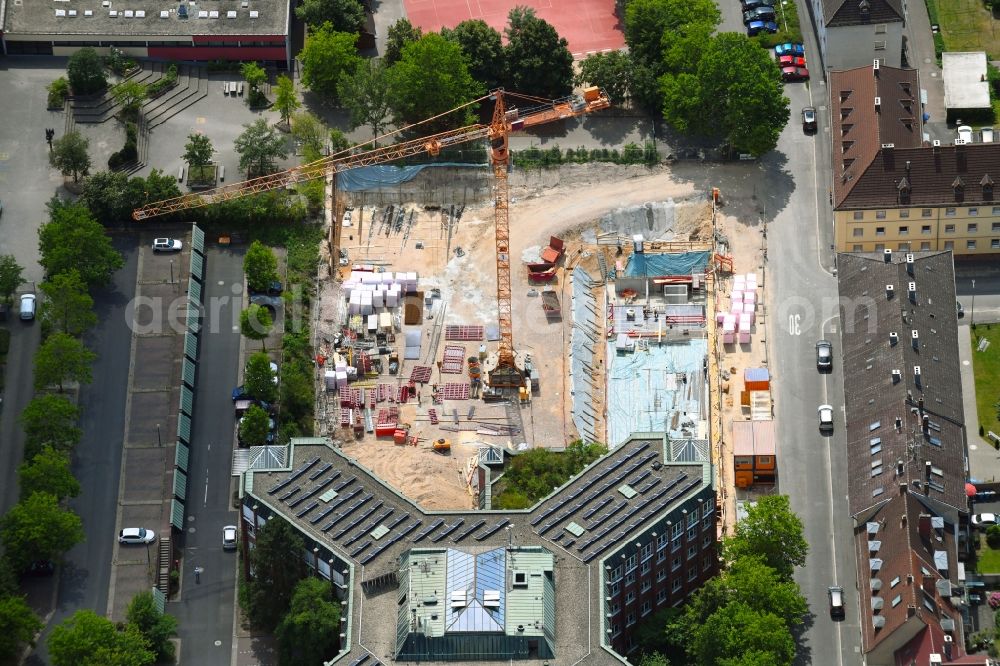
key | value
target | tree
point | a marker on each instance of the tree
(650, 25)
(309, 131)
(538, 472)
(88, 639)
(308, 634)
(255, 76)
(157, 186)
(259, 146)
(739, 632)
(483, 50)
(67, 306)
(538, 59)
(771, 531)
(198, 150)
(38, 528)
(129, 94)
(104, 194)
(72, 238)
(155, 625)
(62, 358)
(58, 92)
(69, 155)
(18, 627)
(610, 71)
(400, 33)
(86, 72)
(260, 266)
(48, 472)
(339, 142)
(277, 566)
(327, 55)
(50, 420)
(365, 94)
(654, 659)
(254, 427)
(258, 379)
(255, 323)
(343, 15)
(10, 276)
(430, 79)
(736, 94)
(993, 536)
(285, 100)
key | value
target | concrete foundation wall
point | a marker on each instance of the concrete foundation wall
(435, 186)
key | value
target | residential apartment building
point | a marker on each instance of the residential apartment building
(566, 580)
(852, 33)
(906, 455)
(894, 191)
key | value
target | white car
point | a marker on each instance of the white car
(136, 535)
(28, 302)
(274, 373)
(167, 245)
(229, 537)
(984, 519)
(825, 417)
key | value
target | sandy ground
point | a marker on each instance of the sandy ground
(567, 204)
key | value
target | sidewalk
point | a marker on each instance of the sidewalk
(984, 461)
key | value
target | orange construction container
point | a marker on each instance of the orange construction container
(591, 94)
(399, 437)
(756, 379)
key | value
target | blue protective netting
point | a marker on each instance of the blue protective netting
(367, 178)
(655, 265)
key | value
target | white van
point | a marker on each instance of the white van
(27, 307)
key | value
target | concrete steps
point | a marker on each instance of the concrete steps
(193, 89)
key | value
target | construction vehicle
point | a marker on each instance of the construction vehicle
(393, 363)
(441, 446)
(505, 374)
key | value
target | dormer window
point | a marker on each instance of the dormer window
(903, 190)
(987, 184)
(958, 187)
(865, 8)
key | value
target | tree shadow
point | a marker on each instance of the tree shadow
(803, 653)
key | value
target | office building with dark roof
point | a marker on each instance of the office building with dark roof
(564, 581)
(852, 33)
(241, 30)
(906, 452)
(894, 190)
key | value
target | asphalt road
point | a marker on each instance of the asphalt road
(205, 609)
(24, 338)
(97, 460)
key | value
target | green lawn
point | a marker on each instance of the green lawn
(966, 25)
(986, 366)
(988, 559)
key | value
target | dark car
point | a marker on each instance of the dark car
(240, 393)
(789, 48)
(794, 74)
(759, 14)
(809, 119)
(836, 594)
(274, 288)
(791, 61)
(824, 355)
(757, 27)
(40, 568)
(960, 309)
(269, 302)
(754, 4)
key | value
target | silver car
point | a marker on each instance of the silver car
(167, 245)
(229, 537)
(140, 535)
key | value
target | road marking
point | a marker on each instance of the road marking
(829, 482)
(206, 487)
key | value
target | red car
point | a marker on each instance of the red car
(792, 61)
(794, 74)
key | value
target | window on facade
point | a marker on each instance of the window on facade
(630, 578)
(973, 227)
(676, 564)
(661, 595)
(646, 585)
(880, 28)
(630, 620)
(995, 243)
(707, 515)
(996, 211)
(692, 551)
(880, 45)
(707, 541)
(995, 226)
(859, 215)
(647, 551)
(614, 588)
(973, 212)
(904, 213)
(661, 575)
(970, 245)
(880, 215)
(676, 584)
(949, 245)
(858, 232)
(950, 212)
(661, 541)
(616, 574)
(904, 230)
(880, 231)
(707, 564)
(925, 245)
(949, 228)
(857, 248)
(926, 212)
(692, 573)
(645, 567)
(631, 562)
(629, 598)
(616, 629)
(661, 555)
(905, 247)
(925, 229)
(646, 608)
(879, 247)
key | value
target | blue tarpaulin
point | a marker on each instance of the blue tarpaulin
(376, 177)
(656, 265)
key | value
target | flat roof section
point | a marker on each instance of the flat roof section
(753, 438)
(965, 84)
(660, 388)
(110, 19)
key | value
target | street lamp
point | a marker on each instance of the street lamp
(972, 318)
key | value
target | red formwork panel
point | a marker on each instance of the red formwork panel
(454, 359)
(464, 333)
(455, 391)
(421, 374)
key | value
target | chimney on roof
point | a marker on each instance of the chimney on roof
(924, 525)
(915, 339)
(909, 263)
(897, 376)
(899, 468)
(887, 255)
(916, 377)
(878, 107)
(911, 290)
(893, 338)
(907, 167)
(875, 63)
(889, 291)
(927, 469)
(925, 422)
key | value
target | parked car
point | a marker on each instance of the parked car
(759, 14)
(140, 535)
(825, 417)
(984, 519)
(757, 27)
(824, 355)
(167, 245)
(274, 372)
(240, 393)
(40, 568)
(961, 310)
(754, 4)
(229, 537)
(965, 133)
(791, 61)
(789, 48)
(269, 302)
(28, 303)
(274, 288)
(794, 74)
(836, 594)
(808, 119)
